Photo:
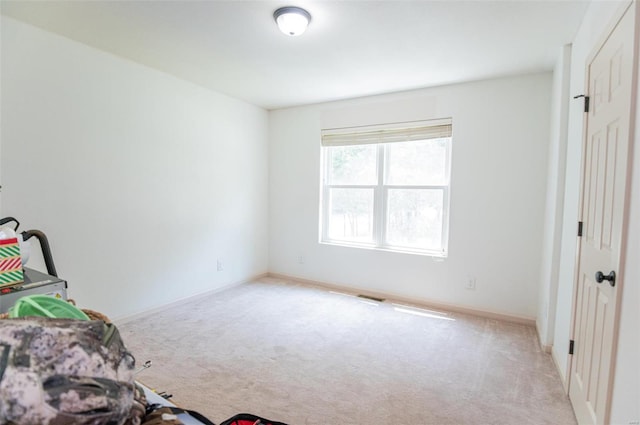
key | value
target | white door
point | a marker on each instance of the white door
(605, 167)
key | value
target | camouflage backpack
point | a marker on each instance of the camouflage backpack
(62, 372)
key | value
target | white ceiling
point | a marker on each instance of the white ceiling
(351, 48)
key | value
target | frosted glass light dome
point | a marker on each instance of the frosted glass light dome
(292, 20)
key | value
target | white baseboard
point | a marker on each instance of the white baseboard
(343, 288)
(128, 318)
(417, 302)
(563, 377)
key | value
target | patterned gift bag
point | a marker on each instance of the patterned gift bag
(10, 262)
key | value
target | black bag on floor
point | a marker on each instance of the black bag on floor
(239, 419)
(249, 419)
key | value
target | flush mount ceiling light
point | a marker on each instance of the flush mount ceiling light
(292, 20)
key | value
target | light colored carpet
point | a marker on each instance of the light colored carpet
(304, 355)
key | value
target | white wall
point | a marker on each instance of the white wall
(500, 142)
(626, 389)
(552, 234)
(140, 180)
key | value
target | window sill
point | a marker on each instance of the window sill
(435, 255)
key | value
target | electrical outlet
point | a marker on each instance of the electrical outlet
(300, 259)
(471, 284)
(219, 266)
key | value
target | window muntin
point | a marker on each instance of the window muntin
(393, 194)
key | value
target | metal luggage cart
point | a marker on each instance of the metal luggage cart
(35, 282)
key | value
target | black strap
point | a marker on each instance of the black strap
(251, 418)
(198, 416)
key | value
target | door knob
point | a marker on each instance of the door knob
(611, 277)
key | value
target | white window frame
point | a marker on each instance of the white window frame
(381, 136)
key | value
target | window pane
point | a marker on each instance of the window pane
(351, 215)
(353, 164)
(417, 163)
(414, 218)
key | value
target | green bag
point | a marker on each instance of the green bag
(45, 306)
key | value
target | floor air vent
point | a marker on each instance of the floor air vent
(369, 297)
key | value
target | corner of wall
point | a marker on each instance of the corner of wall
(543, 346)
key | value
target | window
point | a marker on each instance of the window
(387, 187)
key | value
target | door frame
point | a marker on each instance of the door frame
(633, 7)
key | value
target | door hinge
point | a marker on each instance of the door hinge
(570, 346)
(586, 101)
(579, 229)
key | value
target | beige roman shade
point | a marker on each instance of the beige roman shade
(400, 132)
